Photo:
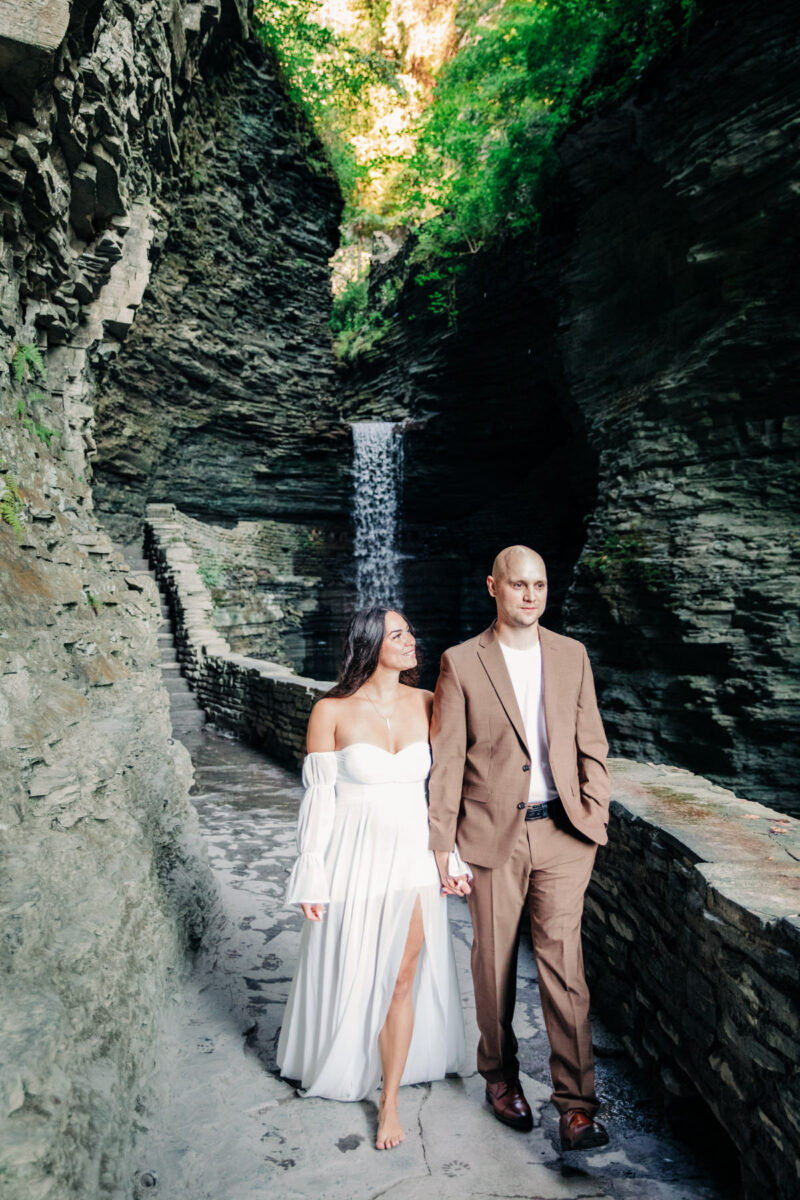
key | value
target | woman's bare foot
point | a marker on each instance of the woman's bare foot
(390, 1131)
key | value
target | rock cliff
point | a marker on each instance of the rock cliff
(105, 883)
(221, 399)
(619, 390)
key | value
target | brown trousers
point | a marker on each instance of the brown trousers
(549, 869)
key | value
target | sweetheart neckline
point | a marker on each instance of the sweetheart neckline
(391, 753)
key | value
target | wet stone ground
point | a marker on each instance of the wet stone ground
(225, 1127)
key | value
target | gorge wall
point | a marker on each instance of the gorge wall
(224, 399)
(614, 389)
(105, 883)
(618, 389)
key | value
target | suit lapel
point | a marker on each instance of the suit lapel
(494, 665)
(550, 679)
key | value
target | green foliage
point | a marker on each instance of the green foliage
(27, 366)
(485, 156)
(356, 327)
(211, 570)
(328, 77)
(485, 162)
(626, 557)
(43, 432)
(11, 504)
(94, 604)
(28, 363)
(312, 539)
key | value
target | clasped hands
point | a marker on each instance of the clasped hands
(452, 885)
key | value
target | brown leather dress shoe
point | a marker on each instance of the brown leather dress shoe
(509, 1104)
(579, 1132)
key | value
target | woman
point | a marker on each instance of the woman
(375, 991)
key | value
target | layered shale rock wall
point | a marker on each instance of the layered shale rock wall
(224, 398)
(270, 584)
(619, 390)
(105, 882)
(87, 135)
(262, 702)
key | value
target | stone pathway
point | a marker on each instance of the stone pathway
(225, 1127)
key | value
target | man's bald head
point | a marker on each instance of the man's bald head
(518, 584)
(516, 560)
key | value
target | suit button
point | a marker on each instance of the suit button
(526, 766)
(521, 804)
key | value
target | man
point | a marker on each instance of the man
(519, 780)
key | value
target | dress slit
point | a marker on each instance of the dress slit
(378, 866)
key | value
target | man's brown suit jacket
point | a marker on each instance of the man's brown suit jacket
(480, 777)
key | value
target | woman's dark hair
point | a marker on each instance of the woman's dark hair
(362, 649)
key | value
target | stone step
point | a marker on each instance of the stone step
(176, 685)
(183, 703)
(188, 722)
(172, 665)
(167, 656)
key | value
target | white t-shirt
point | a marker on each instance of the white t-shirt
(525, 669)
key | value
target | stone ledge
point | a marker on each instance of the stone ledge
(691, 936)
(262, 702)
(692, 921)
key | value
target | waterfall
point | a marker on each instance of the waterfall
(377, 473)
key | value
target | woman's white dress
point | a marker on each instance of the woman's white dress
(363, 842)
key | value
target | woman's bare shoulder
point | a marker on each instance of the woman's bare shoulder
(325, 714)
(418, 697)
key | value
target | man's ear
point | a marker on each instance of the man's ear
(490, 585)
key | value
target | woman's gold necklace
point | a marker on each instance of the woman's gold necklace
(380, 714)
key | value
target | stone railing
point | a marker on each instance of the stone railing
(692, 942)
(692, 921)
(262, 702)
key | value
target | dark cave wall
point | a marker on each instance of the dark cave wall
(222, 398)
(495, 451)
(680, 290)
(619, 390)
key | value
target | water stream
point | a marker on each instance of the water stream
(377, 479)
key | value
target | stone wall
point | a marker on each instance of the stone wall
(268, 581)
(224, 399)
(89, 102)
(618, 389)
(692, 922)
(262, 702)
(105, 881)
(692, 943)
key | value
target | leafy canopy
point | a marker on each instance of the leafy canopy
(485, 155)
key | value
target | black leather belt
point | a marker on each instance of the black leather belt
(537, 812)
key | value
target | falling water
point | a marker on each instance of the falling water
(377, 473)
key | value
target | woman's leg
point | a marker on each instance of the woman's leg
(395, 1037)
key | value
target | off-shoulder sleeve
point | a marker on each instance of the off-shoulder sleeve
(308, 883)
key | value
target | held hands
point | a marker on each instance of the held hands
(314, 912)
(452, 885)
